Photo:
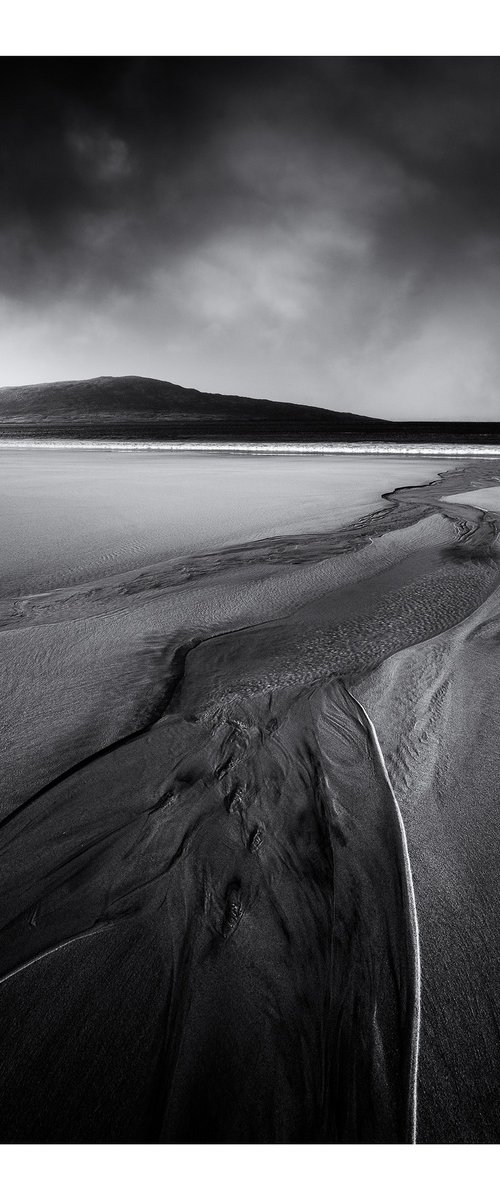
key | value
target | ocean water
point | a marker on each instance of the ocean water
(69, 515)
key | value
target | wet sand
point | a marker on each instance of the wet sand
(237, 784)
(74, 515)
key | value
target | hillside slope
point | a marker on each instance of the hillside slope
(133, 407)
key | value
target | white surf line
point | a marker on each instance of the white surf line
(52, 950)
(433, 450)
(413, 920)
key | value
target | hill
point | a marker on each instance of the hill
(132, 408)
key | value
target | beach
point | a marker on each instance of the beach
(249, 720)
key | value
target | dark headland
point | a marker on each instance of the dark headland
(135, 408)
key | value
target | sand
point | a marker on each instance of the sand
(437, 711)
(486, 498)
(70, 516)
(238, 782)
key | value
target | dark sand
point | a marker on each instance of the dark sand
(208, 923)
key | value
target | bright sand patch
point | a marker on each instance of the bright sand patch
(485, 498)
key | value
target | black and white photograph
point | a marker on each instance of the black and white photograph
(249, 600)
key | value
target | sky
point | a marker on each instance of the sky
(324, 230)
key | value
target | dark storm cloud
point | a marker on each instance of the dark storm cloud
(321, 210)
(107, 161)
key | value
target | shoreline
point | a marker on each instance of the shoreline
(432, 450)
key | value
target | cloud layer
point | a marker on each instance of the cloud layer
(325, 230)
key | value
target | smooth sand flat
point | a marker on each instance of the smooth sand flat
(485, 498)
